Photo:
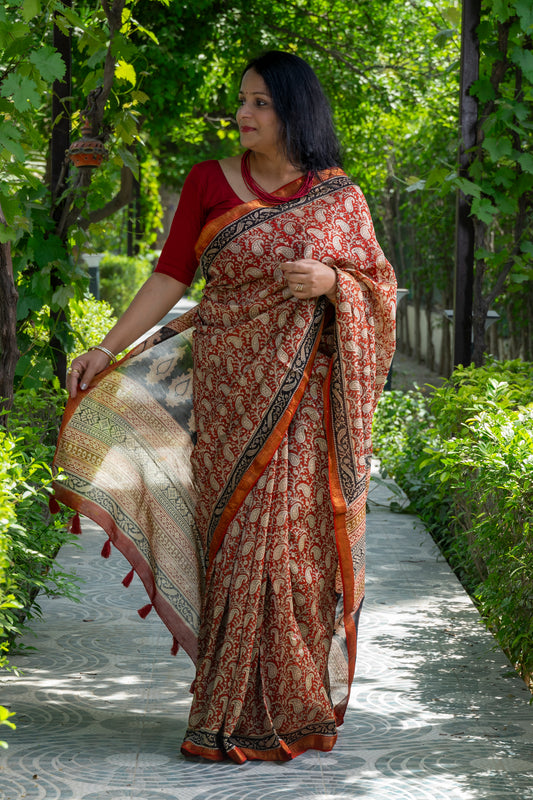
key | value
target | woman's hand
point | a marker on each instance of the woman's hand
(153, 300)
(309, 278)
(84, 368)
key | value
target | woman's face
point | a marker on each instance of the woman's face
(259, 125)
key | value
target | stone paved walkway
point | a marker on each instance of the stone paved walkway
(436, 711)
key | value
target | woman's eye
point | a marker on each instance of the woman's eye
(258, 102)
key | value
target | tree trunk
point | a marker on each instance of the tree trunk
(59, 144)
(9, 354)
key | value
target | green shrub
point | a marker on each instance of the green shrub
(120, 278)
(30, 535)
(489, 470)
(465, 459)
(90, 320)
(7, 600)
(196, 289)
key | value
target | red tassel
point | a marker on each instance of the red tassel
(144, 611)
(106, 549)
(53, 505)
(175, 647)
(128, 579)
(75, 524)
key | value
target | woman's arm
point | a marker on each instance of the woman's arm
(154, 299)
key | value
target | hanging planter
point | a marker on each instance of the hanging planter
(88, 151)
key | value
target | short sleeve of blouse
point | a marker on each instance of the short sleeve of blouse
(205, 194)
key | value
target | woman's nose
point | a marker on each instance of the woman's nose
(243, 110)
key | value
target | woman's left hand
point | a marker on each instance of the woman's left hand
(309, 278)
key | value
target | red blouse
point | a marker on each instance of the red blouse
(206, 194)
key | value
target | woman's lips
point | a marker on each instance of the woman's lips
(246, 129)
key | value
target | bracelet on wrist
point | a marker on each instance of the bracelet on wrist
(108, 353)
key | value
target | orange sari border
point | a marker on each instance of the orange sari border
(284, 752)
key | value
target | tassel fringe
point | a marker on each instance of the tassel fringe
(106, 549)
(144, 611)
(53, 505)
(128, 579)
(75, 524)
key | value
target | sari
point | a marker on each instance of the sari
(239, 497)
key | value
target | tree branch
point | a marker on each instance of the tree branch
(121, 199)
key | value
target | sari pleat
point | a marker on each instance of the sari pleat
(270, 608)
(252, 485)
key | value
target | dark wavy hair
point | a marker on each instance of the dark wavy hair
(308, 132)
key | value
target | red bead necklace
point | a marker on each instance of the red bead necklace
(271, 199)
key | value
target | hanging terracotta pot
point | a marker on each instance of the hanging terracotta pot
(87, 151)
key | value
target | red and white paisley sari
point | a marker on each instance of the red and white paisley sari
(244, 512)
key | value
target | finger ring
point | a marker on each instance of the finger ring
(299, 287)
(74, 371)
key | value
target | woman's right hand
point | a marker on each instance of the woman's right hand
(83, 369)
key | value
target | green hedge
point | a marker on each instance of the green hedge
(464, 456)
(30, 536)
(120, 279)
(7, 600)
(90, 320)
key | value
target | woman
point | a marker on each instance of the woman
(243, 509)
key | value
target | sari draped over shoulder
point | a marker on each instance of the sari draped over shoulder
(239, 496)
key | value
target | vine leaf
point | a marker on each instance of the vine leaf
(49, 63)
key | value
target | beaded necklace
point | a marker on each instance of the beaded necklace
(260, 193)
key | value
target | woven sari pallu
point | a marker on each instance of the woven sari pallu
(239, 496)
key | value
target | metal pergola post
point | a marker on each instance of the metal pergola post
(464, 236)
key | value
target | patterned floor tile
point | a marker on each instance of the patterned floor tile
(436, 711)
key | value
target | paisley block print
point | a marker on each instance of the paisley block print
(249, 481)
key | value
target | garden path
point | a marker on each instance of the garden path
(436, 711)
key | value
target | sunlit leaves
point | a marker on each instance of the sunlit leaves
(125, 72)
